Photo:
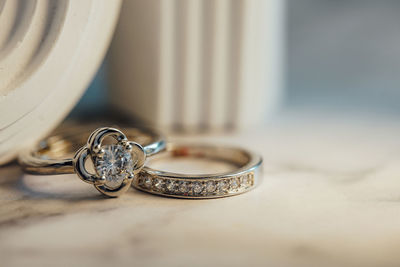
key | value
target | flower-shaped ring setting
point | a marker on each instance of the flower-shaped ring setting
(115, 164)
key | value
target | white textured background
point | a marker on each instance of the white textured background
(339, 54)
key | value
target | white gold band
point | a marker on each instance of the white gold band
(245, 177)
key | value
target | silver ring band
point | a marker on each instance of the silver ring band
(115, 163)
(245, 177)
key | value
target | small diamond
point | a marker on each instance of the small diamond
(250, 176)
(245, 181)
(115, 164)
(234, 183)
(222, 185)
(171, 185)
(197, 187)
(210, 187)
(158, 184)
(183, 187)
(147, 182)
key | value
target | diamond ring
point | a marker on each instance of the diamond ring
(244, 176)
(115, 160)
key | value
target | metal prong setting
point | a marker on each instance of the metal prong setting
(100, 181)
(96, 151)
(128, 147)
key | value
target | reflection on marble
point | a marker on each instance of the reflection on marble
(330, 197)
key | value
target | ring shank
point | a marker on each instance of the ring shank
(54, 155)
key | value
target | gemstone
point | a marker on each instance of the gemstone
(234, 183)
(222, 185)
(183, 187)
(245, 180)
(210, 187)
(197, 187)
(147, 182)
(158, 184)
(115, 164)
(171, 185)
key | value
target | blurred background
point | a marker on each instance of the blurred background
(196, 65)
(338, 56)
(343, 54)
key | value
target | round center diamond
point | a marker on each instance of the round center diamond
(115, 165)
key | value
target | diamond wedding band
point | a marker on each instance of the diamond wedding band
(245, 176)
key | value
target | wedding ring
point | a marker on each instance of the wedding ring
(245, 176)
(115, 160)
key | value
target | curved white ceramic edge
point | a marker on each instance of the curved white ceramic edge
(36, 101)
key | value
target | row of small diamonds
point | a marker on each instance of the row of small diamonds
(196, 188)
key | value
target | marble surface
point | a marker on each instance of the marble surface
(330, 197)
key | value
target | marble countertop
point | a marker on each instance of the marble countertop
(330, 197)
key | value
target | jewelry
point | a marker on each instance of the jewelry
(245, 177)
(114, 164)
